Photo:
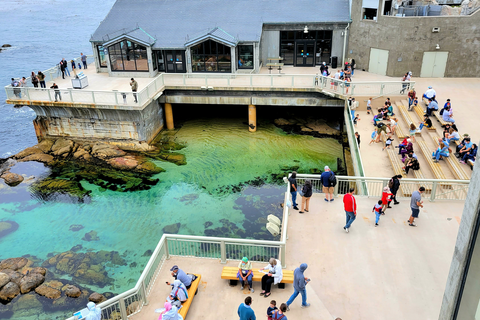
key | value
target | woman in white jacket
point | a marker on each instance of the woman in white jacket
(274, 275)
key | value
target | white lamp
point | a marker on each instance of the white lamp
(305, 30)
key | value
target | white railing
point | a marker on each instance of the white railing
(206, 81)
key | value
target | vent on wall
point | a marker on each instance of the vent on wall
(436, 29)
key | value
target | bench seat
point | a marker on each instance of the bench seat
(440, 118)
(454, 164)
(230, 273)
(191, 294)
(436, 168)
(420, 112)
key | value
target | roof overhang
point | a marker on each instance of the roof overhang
(216, 34)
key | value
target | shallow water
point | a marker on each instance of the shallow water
(226, 188)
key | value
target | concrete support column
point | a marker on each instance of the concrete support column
(169, 116)
(252, 118)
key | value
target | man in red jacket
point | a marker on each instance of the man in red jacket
(350, 205)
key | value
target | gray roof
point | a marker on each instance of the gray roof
(176, 22)
(217, 34)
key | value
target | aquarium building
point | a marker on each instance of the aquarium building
(147, 37)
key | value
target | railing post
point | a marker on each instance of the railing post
(251, 81)
(206, 81)
(167, 253)
(271, 80)
(434, 191)
(223, 252)
(70, 93)
(184, 83)
(144, 293)
(93, 96)
(27, 91)
(283, 254)
(293, 81)
(49, 95)
(228, 81)
(381, 89)
(116, 97)
(123, 309)
(353, 89)
(335, 190)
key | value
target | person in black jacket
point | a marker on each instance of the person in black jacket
(394, 184)
(62, 68)
(306, 195)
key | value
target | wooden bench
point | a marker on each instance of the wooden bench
(192, 291)
(437, 170)
(454, 164)
(420, 112)
(271, 64)
(230, 273)
(440, 118)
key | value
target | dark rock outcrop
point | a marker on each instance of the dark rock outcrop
(8, 292)
(12, 179)
(30, 282)
(97, 298)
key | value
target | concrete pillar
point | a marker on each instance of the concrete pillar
(169, 116)
(252, 118)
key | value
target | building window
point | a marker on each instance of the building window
(322, 39)
(128, 56)
(369, 9)
(210, 56)
(323, 46)
(160, 60)
(101, 56)
(245, 56)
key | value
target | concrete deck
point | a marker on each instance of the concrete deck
(388, 272)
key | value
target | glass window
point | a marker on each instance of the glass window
(101, 57)
(210, 56)
(287, 51)
(160, 60)
(128, 56)
(245, 56)
(323, 47)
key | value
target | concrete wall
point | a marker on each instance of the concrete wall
(462, 247)
(138, 125)
(269, 45)
(337, 45)
(409, 37)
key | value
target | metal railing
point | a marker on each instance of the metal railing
(131, 301)
(352, 141)
(373, 187)
(204, 81)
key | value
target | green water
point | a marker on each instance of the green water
(226, 186)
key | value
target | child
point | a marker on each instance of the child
(386, 199)
(357, 118)
(388, 142)
(378, 211)
(358, 139)
(413, 130)
(369, 105)
(374, 136)
(271, 309)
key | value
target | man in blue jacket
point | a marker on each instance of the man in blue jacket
(299, 286)
(327, 185)
(245, 312)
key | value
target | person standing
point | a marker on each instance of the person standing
(84, 60)
(354, 65)
(353, 106)
(350, 205)
(369, 105)
(357, 136)
(58, 96)
(65, 64)
(394, 185)
(62, 68)
(306, 195)
(245, 311)
(245, 273)
(299, 286)
(328, 181)
(34, 79)
(134, 86)
(280, 313)
(15, 84)
(293, 189)
(415, 204)
(41, 79)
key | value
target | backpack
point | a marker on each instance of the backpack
(332, 180)
(390, 184)
(276, 317)
(441, 111)
(415, 164)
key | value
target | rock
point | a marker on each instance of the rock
(27, 152)
(72, 291)
(44, 189)
(123, 163)
(30, 282)
(13, 263)
(104, 151)
(27, 302)
(45, 145)
(15, 276)
(9, 291)
(39, 157)
(12, 179)
(39, 270)
(91, 236)
(147, 253)
(62, 146)
(4, 279)
(95, 275)
(48, 292)
(133, 307)
(76, 248)
(97, 298)
(6, 46)
(76, 227)
(55, 284)
(172, 228)
(7, 227)
(80, 153)
(282, 122)
(115, 315)
(133, 264)
(151, 168)
(177, 158)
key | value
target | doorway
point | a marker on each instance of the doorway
(175, 61)
(434, 64)
(305, 53)
(378, 61)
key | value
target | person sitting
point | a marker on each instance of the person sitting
(470, 155)
(462, 143)
(412, 95)
(402, 145)
(430, 94)
(466, 147)
(245, 273)
(170, 313)
(432, 106)
(179, 274)
(447, 115)
(178, 294)
(390, 110)
(411, 163)
(426, 122)
(274, 276)
(408, 149)
(451, 135)
(392, 125)
(442, 151)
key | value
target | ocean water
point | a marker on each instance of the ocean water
(211, 195)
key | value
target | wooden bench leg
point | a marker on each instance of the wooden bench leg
(281, 286)
(233, 283)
